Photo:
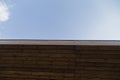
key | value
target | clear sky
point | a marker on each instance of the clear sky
(60, 19)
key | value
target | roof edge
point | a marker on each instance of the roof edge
(61, 42)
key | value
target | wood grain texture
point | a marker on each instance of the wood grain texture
(59, 62)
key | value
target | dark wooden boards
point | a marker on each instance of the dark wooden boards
(59, 62)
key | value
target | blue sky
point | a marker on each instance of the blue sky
(60, 19)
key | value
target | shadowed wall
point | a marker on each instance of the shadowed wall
(58, 62)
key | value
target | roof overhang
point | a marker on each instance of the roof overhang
(61, 42)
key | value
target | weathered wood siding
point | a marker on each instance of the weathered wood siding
(37, 62)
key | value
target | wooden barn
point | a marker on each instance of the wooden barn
(59, 60)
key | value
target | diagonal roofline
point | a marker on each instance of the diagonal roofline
(59, 42)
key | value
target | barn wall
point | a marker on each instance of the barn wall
(37, 62)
